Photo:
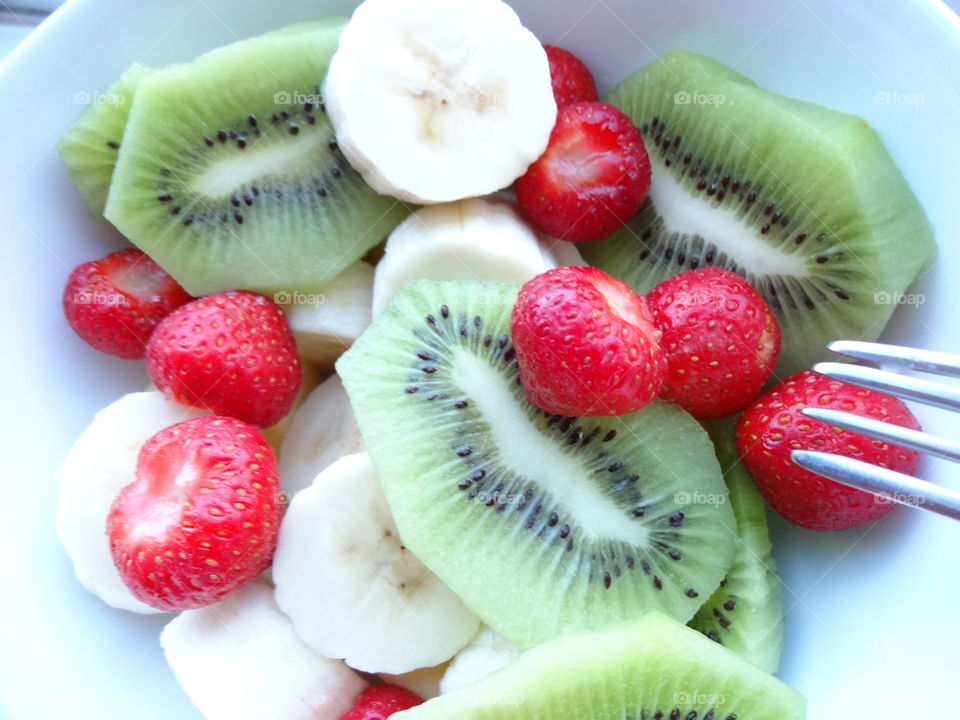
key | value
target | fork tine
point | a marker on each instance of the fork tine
(899, 357)
(904, 437)
(903, 386)
(889, 485)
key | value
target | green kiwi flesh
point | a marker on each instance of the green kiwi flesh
(745, 614)
(542, 524)
(803, 201)
(90, 146)
(229, 175)
(654, 669)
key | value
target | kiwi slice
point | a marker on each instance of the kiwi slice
(745, 614)
(543, 524)
(230, 177)
(803, 201)
(90, 146)
(653, 669)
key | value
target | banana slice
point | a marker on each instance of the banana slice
(100, 464)
(425, 682)
(321, 431)
(565, 253)
(433, 100)
(486, 653)
(240, 659)
(475, 239)
(561, 252)
(326, 323)
(351, 588)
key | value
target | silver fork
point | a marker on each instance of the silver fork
(891, 362)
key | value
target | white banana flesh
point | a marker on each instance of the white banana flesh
(475, 239)
(425, 682)
(486, 653)
(326, 323)
(321, 431)
(240, 659)
(565, 253)
(352, 589)
(433, 100)
(100, 464)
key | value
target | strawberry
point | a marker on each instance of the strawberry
(585, 344)
(381, 701)
(572, 82)
(720, 340)
(591, 179)
(202, 517)
(116, 302)
(231, 353)
(773, 426)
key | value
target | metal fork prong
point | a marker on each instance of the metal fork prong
(904, 437)
(889, 485)
(898, 357)
(903, 386)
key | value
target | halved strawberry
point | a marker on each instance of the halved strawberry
(585, 343)
(116, 302)
(202, 517)
(592, 178)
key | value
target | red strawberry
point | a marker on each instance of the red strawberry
(115, 303)
(592, 178)
(231, 353)
(585, 344)
(201, 519)
(773, 426)
(572, 82)
(381, 701)
(720, 340)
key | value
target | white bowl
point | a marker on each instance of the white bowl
(869, 629)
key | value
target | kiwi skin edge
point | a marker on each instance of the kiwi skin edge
(746, 613)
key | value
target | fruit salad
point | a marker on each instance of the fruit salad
(470, 387)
